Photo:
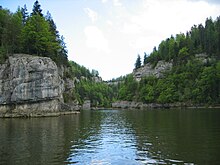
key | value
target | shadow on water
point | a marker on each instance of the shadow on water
(36, 140)
(113, 137)
(178, 136)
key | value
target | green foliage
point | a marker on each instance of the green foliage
(128, 88)
(37, 34)
(37, 38)
(138, 62)
(79, 71)
(32, 34)
(199, 40)
(24, 14)
(3, 55)
(146, 89)
(145, 58)
(36, 9)
(191, 80)
(100, 94)
(10, 28)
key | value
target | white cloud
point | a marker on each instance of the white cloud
(117, 3)
(95, 39)
(91, 14)
(131, 31)
(104, 1)
(159, 19)
(110, 23)
(130, 28)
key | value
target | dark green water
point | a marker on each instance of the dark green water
(114, 137)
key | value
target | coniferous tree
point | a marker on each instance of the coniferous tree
(210, 41)
(24, 14)
(37, 9)
(217, 27)
(15, 32)
(145, 58)
(63, 51)
(37, 38)
(53, 27)
(62, 56)
(194, 77)
(138, 62)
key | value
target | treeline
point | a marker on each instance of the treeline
(195, 75)
(100, 94)
(33, 33)
(200, 39)
(87, 87)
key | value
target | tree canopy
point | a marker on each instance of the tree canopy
(194, 78)
(33, 34)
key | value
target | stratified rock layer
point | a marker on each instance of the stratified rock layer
(30, 86)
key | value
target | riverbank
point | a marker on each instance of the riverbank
(38, 109)
(140, 105)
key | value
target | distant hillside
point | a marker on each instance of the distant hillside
(88, 86)
(194, 69)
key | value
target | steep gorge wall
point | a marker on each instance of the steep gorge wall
(30, 86)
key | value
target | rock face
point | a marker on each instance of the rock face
(86, 105)
(140, 105)
(149, 70)
(30, 86)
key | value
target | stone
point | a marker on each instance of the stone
(148, 70)
(86, 105)
(140, 105)
(30, 85)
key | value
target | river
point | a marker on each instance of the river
(105, 137)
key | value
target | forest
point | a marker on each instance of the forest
(191, 80)
(33, 33)
(88, 88)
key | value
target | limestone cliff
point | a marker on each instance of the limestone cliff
(149, 70)
(30, 86)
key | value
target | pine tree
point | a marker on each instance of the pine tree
(37, 38)
(63, 51)
(24, 14)
(145, 58)
(15, 31)
(36, 9)
(210, 41)
(53, 27)
(138, 62)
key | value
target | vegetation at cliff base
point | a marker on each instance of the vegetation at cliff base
(89, 86)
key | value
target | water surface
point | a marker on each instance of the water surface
(114, 137)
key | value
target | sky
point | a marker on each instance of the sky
(108, 35)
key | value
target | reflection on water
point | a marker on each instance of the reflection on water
(113, 143)
(113, 137)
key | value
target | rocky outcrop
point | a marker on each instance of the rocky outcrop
(86, 105)
(140, 105)
(30, 86)
(148, 70)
